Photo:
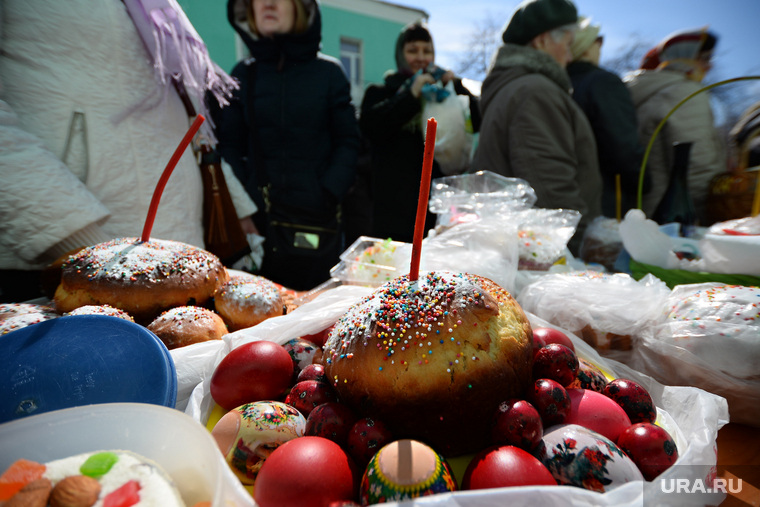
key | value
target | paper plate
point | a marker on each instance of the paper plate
(81, 360)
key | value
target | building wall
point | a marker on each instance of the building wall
(374, 24)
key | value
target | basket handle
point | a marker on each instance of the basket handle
(662, 124)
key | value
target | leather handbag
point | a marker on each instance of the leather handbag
(222, 233)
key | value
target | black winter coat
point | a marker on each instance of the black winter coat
(291, 124)
(391, 120)
(609, 108)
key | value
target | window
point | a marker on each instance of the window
(351, 58)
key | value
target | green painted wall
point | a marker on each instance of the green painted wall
(209, 17)
(378, 36)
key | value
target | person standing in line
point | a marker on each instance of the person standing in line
(607, 104)
(391, 120)
(532, 128)
(670, 72)
(291, 136)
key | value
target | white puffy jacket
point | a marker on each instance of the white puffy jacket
(76, 80)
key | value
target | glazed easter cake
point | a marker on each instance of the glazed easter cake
(98, 479)
(434, 357)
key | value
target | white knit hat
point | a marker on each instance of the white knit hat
(584, 36)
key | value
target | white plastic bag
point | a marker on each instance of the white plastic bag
(453, 142)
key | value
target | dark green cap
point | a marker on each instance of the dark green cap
(534, 17)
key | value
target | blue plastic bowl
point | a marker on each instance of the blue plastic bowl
(82, 360)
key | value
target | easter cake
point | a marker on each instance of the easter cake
(433, 357)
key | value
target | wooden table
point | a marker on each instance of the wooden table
(739, 456)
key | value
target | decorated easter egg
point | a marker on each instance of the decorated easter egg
(302, 351)
(248, 434)
(402, 470)
(578, 456)
(589, 377)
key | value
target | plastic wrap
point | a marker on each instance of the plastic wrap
(457, 199)
(708, 336)
(602, 243)
(609, 311)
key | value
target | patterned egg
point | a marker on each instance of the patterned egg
(589, 377)
(248, 434)
(302, 351)
(577, 456)
(403, 470)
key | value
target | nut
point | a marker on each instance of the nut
(75, 491)
(34, 494)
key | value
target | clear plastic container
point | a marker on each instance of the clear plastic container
(174, 440)
(372, 261)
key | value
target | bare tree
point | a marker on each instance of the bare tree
(482, 42)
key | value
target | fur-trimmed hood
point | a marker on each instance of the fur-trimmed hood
(512, 61)
(302, 46)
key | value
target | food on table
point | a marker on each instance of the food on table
(184, 325)
(551, 401)
(245, 301)
(433, 357)
(405, 469)
(102, 478)
(633, 398)
(507, 465)
(248, 434)
(101, 310)
(578, 456)
(596, 412)
(331, 420)
(141, 278)
(718, 323)
(650, 447)
(556, 362)
(546, 335)
(596, 306)
(307, 395)
(367, 436)
(302, 351)
(306, 472)
(589, 377)
(254, 371)
(17, 315)
(517, 423)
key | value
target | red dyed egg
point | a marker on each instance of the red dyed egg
(547, 335)
(589, 377)
(551, 400)
(497, 467)
(650, 447)
(596, 412)
(517, 423)
(255, 371)
(306, 472)
(331, 420)
(306, 395)
(556, 362)
(633, 398)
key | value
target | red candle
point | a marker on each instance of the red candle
(422, 201)
(165, 176)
